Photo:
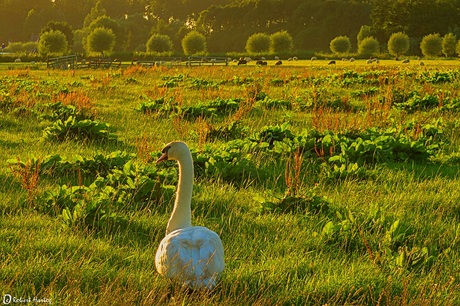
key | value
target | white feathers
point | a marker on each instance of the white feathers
(191, 255)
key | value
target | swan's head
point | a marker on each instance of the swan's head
(175, 150)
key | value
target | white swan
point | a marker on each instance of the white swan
(191, 255)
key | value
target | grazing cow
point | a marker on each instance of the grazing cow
(261, 63)
(278, 63)
(242, 62)
(331, 63)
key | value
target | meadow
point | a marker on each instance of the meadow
(329, 185)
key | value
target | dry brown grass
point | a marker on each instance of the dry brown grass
(28, 175)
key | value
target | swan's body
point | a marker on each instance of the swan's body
(191, 255)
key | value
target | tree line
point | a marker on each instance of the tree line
(227, 24)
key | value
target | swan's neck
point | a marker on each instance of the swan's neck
(181, 216)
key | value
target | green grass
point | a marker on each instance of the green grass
(391, 237)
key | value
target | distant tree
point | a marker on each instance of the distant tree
(449, 44)
(258, 43)
(398, 44)
(109, 23)
(38, 18)
(20, 47)
(389, 16)
(175, 29)
(73, 11)
(415, 18)
(101, 40)
(52, 42)
(33, 21)
(194, 43)
(60, 26)
(137, 31)
(178, 9)
(124, 8)
(369, 46)
(431, 45)
(106, 22)
(97, 11)
(364, 31)
(340, 45)
(281, 42)
(159, 43)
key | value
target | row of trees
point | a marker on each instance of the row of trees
(432, 45)
(102, 40)
(227, 24)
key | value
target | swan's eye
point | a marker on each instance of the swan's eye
(166, 149)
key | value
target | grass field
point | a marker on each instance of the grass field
(329, 185)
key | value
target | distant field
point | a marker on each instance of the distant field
(285, 62)
(328, 184)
